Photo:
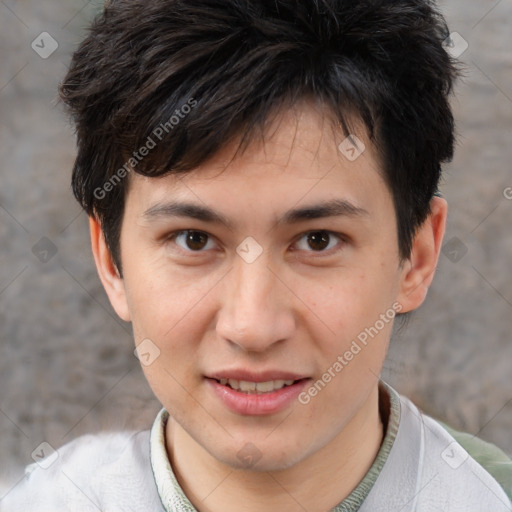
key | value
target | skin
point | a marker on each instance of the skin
(294, 308)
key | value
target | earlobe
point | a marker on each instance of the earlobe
(418, 271)
(107, 271)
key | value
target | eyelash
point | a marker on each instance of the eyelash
(341, 240)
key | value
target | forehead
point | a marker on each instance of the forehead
(301, 155)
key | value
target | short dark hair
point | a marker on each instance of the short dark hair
(233, 64)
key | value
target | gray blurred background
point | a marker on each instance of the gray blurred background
(66, 362)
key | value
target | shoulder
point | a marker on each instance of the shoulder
(457, 474)
(427, 469)
(107, 471)
(489, 456)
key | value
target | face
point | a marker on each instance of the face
(270, 266)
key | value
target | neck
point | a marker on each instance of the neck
(319, 482)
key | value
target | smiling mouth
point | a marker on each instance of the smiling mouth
(256, 388)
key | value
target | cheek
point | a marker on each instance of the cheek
(347, 302)
(352, 319)
(175, 316)
(177, 328)
(162, 300)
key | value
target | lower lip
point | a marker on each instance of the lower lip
(255, 405)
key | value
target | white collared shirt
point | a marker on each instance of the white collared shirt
(420, 468)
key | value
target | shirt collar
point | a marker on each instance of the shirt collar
(169, 490)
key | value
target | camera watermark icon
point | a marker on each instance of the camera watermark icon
(146, 352)
(249, 250)
(44, 45)
(454, 455)
(249, 455)
(44, 249)
(455, 45)
(44, 455)
(454, 249)
(507, 193)
(352, 147)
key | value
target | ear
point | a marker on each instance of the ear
(418, 270)
(109, 275)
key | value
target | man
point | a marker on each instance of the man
(261, 180)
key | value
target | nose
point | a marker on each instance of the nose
(257, 308)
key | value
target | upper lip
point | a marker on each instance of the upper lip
(245, 375)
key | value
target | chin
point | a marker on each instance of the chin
(268, 459)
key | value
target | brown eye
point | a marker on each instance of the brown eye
(192, 240)
(196, 240)
(318, 240)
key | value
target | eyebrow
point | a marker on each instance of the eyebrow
(194, 211)
(333, 208)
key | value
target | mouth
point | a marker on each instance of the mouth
(257, 388)
(253, 395)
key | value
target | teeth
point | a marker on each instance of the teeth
(246, 386)
(233, 384)
(256, 387)
(265, 387)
